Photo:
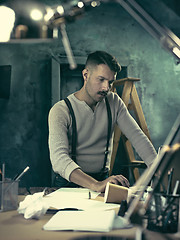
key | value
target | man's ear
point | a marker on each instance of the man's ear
(85, 74)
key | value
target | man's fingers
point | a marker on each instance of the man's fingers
(114, 181)
(124, 181)
(120, 179)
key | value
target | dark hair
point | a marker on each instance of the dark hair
(101, 57)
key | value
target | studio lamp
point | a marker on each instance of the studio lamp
(28, 20)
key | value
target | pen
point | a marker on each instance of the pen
(17, 178)
(170, 174)
(2, 189)
(1, 175)
(20, 175)
(89, 195)
(3, 172)
(176, 187)
(52, 211)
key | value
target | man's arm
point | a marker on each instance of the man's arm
(59, 122)
(79, 177)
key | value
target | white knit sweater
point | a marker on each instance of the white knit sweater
(91, 135)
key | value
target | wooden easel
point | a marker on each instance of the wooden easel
(131, 100)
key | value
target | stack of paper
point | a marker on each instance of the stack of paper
(77, 198)
(82, 221)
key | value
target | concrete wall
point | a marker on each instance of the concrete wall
(114, 30)
(23, 117)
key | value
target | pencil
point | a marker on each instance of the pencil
(176, 187)
(3, 172)
(170, 175)
(89, 195)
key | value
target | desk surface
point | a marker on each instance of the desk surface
(13, 226)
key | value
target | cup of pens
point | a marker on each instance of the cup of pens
(163, 213)
(9, 190)
(8, 195)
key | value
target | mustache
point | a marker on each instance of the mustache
(103, 93)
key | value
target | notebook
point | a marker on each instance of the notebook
(101, 221)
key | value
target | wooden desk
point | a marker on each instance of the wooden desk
(13, 226)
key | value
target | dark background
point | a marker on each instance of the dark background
(32, 70)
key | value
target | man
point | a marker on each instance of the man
(90, 110)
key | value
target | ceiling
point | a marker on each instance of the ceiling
(165, 12)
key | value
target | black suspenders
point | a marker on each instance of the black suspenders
(74, 130)
(109, 131)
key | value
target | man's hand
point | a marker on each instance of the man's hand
(120, 180)
(84, 180)
(117, 179)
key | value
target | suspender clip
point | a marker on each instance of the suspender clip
(106, 152)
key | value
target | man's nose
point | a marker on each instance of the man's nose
(105, 86)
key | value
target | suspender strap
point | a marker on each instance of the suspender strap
(109, 132)
(74, 129)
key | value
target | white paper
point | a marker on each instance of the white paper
(81, 221)
(33, 206)
(74, 192)
(76, 198)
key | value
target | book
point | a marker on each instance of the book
(96, 221)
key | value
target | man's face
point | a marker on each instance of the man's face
(98, 82)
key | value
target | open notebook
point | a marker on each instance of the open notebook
(104, 221)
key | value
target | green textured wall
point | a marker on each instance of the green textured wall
(23, 117)
(111, 28)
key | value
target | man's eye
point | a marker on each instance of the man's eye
(101, 79)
